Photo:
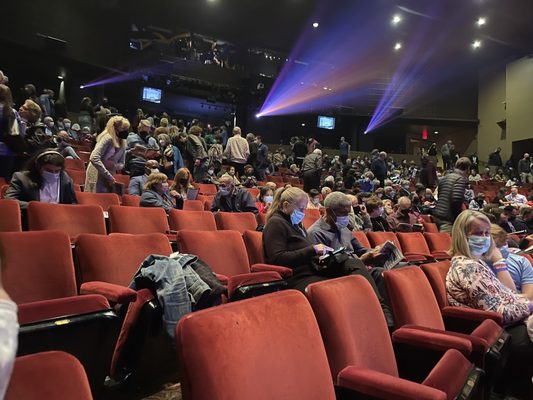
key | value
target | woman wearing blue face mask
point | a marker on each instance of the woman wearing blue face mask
(285, 239)
(43, 180)
(472, 283)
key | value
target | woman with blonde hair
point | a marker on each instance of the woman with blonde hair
(285, 239)
(108, 156)
(156, 192)
(472, 283)
(182, 183)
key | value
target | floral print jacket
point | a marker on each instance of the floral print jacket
(471, 283)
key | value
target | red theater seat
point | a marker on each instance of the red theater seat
(73, 219)
(48, 375)
(77, 165)
(240, 222)
(130, 200)
(193, 205)
(253, 241)
(138, 220)
(192, 220)
(361, 238)
(78, 176)
(10, 216)
(430, 227)
(208, 189)
(439, 244)
(414, 246)
(356, 336)
(104, 200)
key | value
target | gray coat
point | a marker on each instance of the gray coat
(151, 198)
(105, 160)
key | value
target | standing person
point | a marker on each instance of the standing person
(495, 161)
(196, 147)
(474, 159)
(432, 153)
(451, 198)
(108, 156)
(524, 169)
(311, 170)
(428, 173)
(86, 117)
(171, 159)
(252, 145)
(312, 144)
(445, 151)
(261, 161)
(379, 167)
(299, 150)
(344, 150)
(237, 151)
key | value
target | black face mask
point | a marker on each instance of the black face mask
(123, 135)
(184, 181)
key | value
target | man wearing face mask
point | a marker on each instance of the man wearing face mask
(403, 219)
(375, 209)
(137, 183)
(232, 199)
(519, 267)
(141, 140)
(332, 230)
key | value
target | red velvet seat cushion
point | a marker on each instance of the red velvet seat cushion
(67, 306)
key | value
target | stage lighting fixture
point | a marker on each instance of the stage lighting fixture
(82, 87)
(396, 19)
(436, 132)
(481, 21)
(257, 115)
(303, 124)
(60, 77)
(316, 25)
(397, 46)
(476, 44)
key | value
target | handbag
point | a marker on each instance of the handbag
(335, 264)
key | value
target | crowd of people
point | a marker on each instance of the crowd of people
(165, 157)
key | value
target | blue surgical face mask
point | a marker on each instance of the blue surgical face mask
(505, 251)
(342, 222)
(297, 216)
(478, 245)
(268, 199)
(50, 177)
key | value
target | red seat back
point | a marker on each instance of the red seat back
(352, 324)
(78, 165)
(193, 205)
(73, 219)
(361, 238)
(270, 347)
(37, 376)
(240, 222)
(223, 251)
(253, 241)
(192, 220)
(430, 227)
(130, 200)
(124, 179)
(77, 176)
(206, 188)
(37, 265)
(436, 275)
(104, 200)
(438, 242)
(412, 299)
(208, 200)
(137, 220)
(116, 258)
(413, 242)
(311, 216)
(253, 192)
(377, 238)
(10, 216)
(3, 190)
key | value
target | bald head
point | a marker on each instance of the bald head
(237, 131)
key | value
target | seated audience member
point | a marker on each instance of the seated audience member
(472, 283)
(388, 208)
(478, 203)
(272, 186)
(9, 329)
(366, 184)
(403, 220)
(137, 182)
(500, 199)
(264, 199)
(156, 193)
(182, 183)
(248, 179)
(325, 191)
(502, 219)
(64, 147)
(44, 180)
(230, 173)
(171, 159)
(375, 209)
(210, 176)
(519, 267)
(332, 230)
(469, 193)
(516, 198)
(530, 201)
(199, 169)
(359, 218)
(486, 175)
(525, 220)
(231, 198)
(389, 194)
(512, 213)
(500, 176)
(474, 176)
(314, 200)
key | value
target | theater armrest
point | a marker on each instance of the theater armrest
(113, 293)
(467, 319)
(223, 279)
(250, 279)
(424, 339)
(382, 386)
(283, 271)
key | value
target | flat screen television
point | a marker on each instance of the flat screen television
(326, 122)
(152, 95)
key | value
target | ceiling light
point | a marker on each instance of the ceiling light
(476, 44)
(436, 132)
(396, 19)
(481, 21)
(325, 88)
(303, 124)
(316, 25)
(397, 46)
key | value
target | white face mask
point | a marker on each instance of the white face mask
(153, 170)
(50, 177)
